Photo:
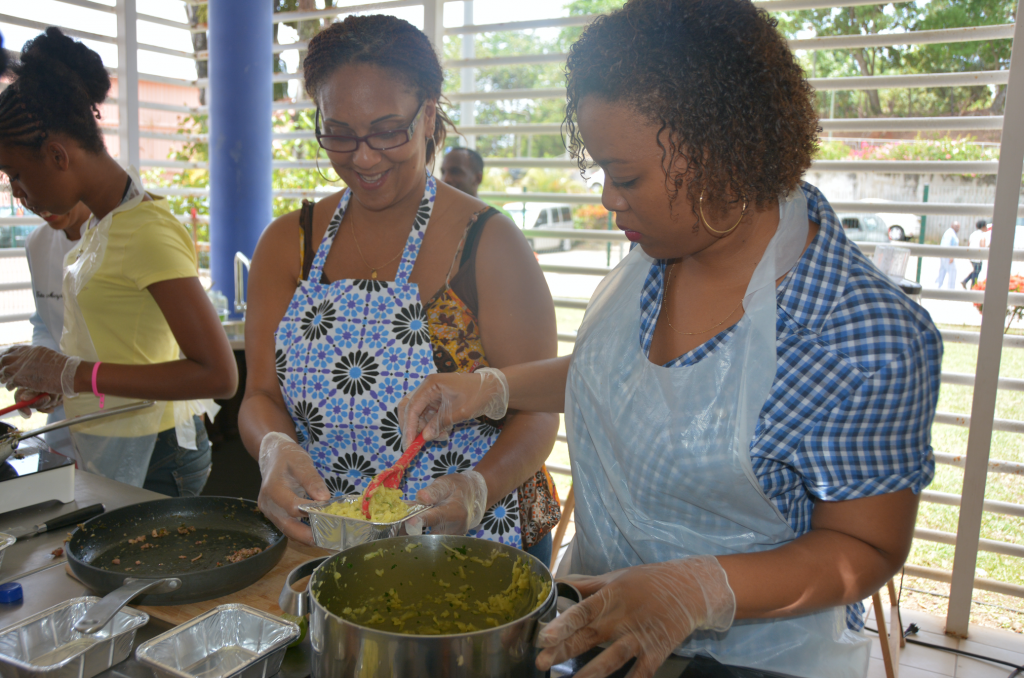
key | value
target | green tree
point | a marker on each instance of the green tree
(983, 55)
(905, 59)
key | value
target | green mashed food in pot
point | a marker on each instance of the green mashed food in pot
(450, 606)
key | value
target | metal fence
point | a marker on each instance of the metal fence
(1003, 210)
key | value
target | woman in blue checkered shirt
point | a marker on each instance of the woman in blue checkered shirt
(749, 402)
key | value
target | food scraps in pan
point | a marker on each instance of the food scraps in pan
(179, 550)
(241, 554)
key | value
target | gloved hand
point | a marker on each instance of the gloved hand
(443, 400)
(459, 501)
(39, 369)
(48, 404)
(288, 478)
(645, 610)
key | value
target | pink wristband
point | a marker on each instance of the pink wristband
(95, 391)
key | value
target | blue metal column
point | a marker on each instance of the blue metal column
(240, 93)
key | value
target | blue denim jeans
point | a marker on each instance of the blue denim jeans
(177, 471)
(542, 550)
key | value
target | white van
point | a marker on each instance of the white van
(542, 215)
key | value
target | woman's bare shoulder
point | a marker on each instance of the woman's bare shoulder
(283, 231)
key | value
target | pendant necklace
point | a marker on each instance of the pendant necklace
(373, 269)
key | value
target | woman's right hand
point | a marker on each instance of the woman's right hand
(289, 477)
(46, 405)
(443, 400)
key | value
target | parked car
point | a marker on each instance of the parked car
(864, 227)
(15, 236)
(899, 226)
(542, 215)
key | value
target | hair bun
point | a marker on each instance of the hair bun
(59, 61)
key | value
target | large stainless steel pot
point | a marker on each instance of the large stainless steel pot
(342, 648)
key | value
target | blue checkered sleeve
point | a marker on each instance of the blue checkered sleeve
(856, 386)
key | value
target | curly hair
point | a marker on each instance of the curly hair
(58, 88)
(718, 78)
(387, 42)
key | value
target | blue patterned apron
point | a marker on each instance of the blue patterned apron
(346, 353)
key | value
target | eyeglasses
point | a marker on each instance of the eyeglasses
(381, 141)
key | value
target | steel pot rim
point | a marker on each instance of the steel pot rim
(536, 613)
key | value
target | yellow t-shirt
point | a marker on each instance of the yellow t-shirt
(146, 245)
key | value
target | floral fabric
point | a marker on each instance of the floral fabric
(346, 353)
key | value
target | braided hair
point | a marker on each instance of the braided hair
(387, 42)
(58, 88)
(718, 79)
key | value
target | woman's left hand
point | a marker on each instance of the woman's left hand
(646, 611)
(459, 501)
(39, 369)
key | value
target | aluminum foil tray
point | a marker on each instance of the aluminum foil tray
(339, 533)
(46, 644)
(5, 541)
(229, 640)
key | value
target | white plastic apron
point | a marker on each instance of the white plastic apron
(661, 458)
(117, 447)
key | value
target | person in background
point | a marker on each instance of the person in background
(463, 168)
(47, 246)
(977, 240)
(137, 323)
(947, 267)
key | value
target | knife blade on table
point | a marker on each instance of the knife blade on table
(73, 518)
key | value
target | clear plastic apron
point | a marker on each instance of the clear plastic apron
(117, 447)
(661, 458)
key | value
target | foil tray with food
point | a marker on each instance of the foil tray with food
(338, 523)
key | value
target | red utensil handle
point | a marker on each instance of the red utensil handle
(23, 404)
(413, 450)
(402, 462)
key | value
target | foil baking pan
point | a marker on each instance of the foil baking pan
(229, 640)
(339, 533)
(5, 541)
(46, 644)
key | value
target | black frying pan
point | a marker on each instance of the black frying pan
(222, 525)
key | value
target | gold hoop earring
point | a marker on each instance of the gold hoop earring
(715, 232)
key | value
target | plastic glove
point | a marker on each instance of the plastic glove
(39, 369)
(47, 404)
(443, 400)
(459, 500)
(289, 477)
(646, 611)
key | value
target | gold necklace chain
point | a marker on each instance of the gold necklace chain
(373, 269)
(690, 334)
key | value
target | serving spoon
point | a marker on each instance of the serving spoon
(392, 477)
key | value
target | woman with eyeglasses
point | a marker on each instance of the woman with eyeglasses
(356, 299)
